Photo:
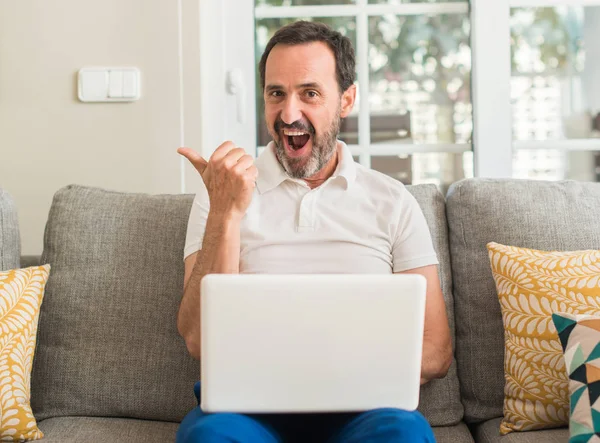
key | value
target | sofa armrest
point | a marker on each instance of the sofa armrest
(30, 260)
(10, 243)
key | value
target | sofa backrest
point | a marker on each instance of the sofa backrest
(540, 215)
(440, 399)
(107, 341)
(10, 243)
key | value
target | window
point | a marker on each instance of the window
(447, 89)
(417, 105)
(554, 91)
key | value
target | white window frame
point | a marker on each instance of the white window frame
(362, 10)
(222, 22)
(491, 74)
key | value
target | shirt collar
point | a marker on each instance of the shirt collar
(346, 165)
(271, 174)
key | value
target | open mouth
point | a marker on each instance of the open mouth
(296, 142)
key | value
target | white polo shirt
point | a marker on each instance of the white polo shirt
(358, 221)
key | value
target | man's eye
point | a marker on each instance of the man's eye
(276, 94)
(312, 94)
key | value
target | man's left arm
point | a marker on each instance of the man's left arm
(437, 344)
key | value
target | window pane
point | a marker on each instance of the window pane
(583, 166)
(420, 79)
(303, 2)
(555, 91)
(538, 164)
(551, 164)
(439, 168)
(265, 29)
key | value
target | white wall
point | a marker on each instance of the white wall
(49, 139)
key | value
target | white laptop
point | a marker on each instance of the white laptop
(311, 343)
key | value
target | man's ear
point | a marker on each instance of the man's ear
(347, 102)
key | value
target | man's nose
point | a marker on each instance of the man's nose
(291, 111)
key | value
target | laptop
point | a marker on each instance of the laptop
(311, 343)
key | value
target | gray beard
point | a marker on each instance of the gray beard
(322, 151)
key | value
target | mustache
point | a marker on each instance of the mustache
(297, 125)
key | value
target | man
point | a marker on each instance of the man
(307, 207)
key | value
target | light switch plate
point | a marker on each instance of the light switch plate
(101, 84)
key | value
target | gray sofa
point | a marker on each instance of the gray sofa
(109, 364)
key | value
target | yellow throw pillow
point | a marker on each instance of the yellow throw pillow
(21, 293)
(532, 285)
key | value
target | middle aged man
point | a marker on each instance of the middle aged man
(307, 207)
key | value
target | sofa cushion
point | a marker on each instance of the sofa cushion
(108, 342)
(489, 432)
(525, 213)
(105, 430)
(452, 434)
(440, 399)
(531, 285)
(10, 242)
(21, 294)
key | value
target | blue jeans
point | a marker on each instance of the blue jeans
(377, 426)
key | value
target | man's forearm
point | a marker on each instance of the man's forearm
(436, 359)
(220, 255)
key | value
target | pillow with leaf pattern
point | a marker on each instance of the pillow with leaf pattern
(531, 286)
(21, 293)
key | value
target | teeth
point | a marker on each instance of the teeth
(293, 133)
